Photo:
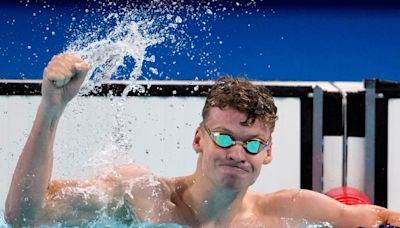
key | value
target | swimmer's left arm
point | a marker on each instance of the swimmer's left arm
(392, 217)
(381, 215)
(318, 207)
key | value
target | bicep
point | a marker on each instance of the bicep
(76, 202)
(73, 202)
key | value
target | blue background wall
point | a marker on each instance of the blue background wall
(280, 40)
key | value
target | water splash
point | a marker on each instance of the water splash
(121, 42)
(118, 41)
(110, 49)
(304, 223)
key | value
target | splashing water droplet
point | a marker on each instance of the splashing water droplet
(153, 70)
(178, 19)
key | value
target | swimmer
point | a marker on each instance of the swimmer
(233, 142)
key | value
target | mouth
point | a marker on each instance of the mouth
(234, 168)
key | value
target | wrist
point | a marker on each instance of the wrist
(51, 111)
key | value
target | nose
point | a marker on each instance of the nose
(236, 153)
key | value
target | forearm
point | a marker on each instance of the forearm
(372, 216)
(392, 218)
(33, 171)
(383, 215)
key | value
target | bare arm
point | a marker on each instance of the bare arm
(62, 79)
(316, 207)
(73, 202)
(372, 215)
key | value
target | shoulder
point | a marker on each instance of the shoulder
(126, 175)
(131, 174)
(127, 171)
(108, 180)
(137, 180)
(270, 207)
(280, 196)
(298, 196)
(288, 201)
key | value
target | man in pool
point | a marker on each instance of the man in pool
(233, 142)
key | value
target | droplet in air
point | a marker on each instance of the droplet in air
(178, 19)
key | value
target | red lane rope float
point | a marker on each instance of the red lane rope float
(348, 195)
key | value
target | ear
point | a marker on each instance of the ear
(197, 141)
(268, 158)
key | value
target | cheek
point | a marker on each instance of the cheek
(208, 154)
(211, 155)
(257, 162)
(213, 151)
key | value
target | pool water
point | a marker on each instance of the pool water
(116, 224)
(103, 224)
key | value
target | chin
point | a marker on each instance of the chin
(233, 182)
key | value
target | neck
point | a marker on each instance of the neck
(210, 203)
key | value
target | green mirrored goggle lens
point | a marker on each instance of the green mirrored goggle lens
(253, 146)
(225, 141)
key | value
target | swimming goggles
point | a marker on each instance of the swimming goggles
(224, 140)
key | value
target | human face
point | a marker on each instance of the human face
(231, 167)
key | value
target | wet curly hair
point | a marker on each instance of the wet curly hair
(238, 93)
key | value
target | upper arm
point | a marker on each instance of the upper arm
(73, 202)
(76, 202)
(310, 206)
